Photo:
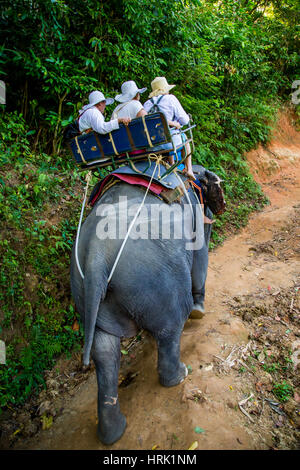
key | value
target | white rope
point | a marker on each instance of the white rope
(88, 177)
(132, 223)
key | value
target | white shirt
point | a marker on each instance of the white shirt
(129, 109)
(93, 118)
(172, 108)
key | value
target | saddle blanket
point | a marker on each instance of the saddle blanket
(140, 177)
(137, 180)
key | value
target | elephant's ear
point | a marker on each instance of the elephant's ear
(199, 171)
(215, 197)
(212, 177)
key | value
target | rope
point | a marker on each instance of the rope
(152, 156)
(88, 178)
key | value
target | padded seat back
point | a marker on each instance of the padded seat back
(104, 149)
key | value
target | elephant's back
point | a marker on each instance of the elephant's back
(151, 282)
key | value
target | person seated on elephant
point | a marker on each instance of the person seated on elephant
(91, 115)
(176, 117)
(129, 99)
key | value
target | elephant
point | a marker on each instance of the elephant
(150, 288)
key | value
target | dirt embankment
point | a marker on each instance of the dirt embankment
(242, 391)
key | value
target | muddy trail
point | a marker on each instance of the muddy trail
(243, 357)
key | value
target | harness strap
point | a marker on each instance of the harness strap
(185, 192)
(200, 191)
(115, 114)
(146, 132)
(156, 104)
(159, 99)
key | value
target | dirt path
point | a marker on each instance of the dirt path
(256, 265)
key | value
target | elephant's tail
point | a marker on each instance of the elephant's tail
(93, 295)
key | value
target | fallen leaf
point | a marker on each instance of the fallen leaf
(258, 386)
(297, 397)
(261, 357)
(47, 422)
(44, 407)
(123, 351)
(193, 446)
(155, 447)
(198, 430)
(75, 326)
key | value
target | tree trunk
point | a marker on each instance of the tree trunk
(55, 138)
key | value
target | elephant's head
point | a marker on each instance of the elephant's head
(212, 191)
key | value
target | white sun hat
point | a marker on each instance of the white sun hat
(160, 86)
(129, 91)
(96, 97)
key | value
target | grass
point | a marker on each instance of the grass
(37, 312)
(283, 391)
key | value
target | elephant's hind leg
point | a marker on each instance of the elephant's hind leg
(106, 356)
(170, 370)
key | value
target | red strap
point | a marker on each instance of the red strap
(200, 191)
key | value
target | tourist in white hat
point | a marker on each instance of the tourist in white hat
(174, 112)
(129, 99)
(91, 115)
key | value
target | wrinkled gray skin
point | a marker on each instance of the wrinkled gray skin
(151, 288)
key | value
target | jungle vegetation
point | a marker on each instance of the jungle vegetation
(233, 63)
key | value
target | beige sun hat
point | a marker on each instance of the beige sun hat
(160, 86)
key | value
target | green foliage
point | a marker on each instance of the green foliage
(35, 254)
(221, 55)
(283, 391)
(24, 372)
(233, 63)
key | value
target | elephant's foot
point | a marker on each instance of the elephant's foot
(198, 310)
(111, 426)
(169, 380)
